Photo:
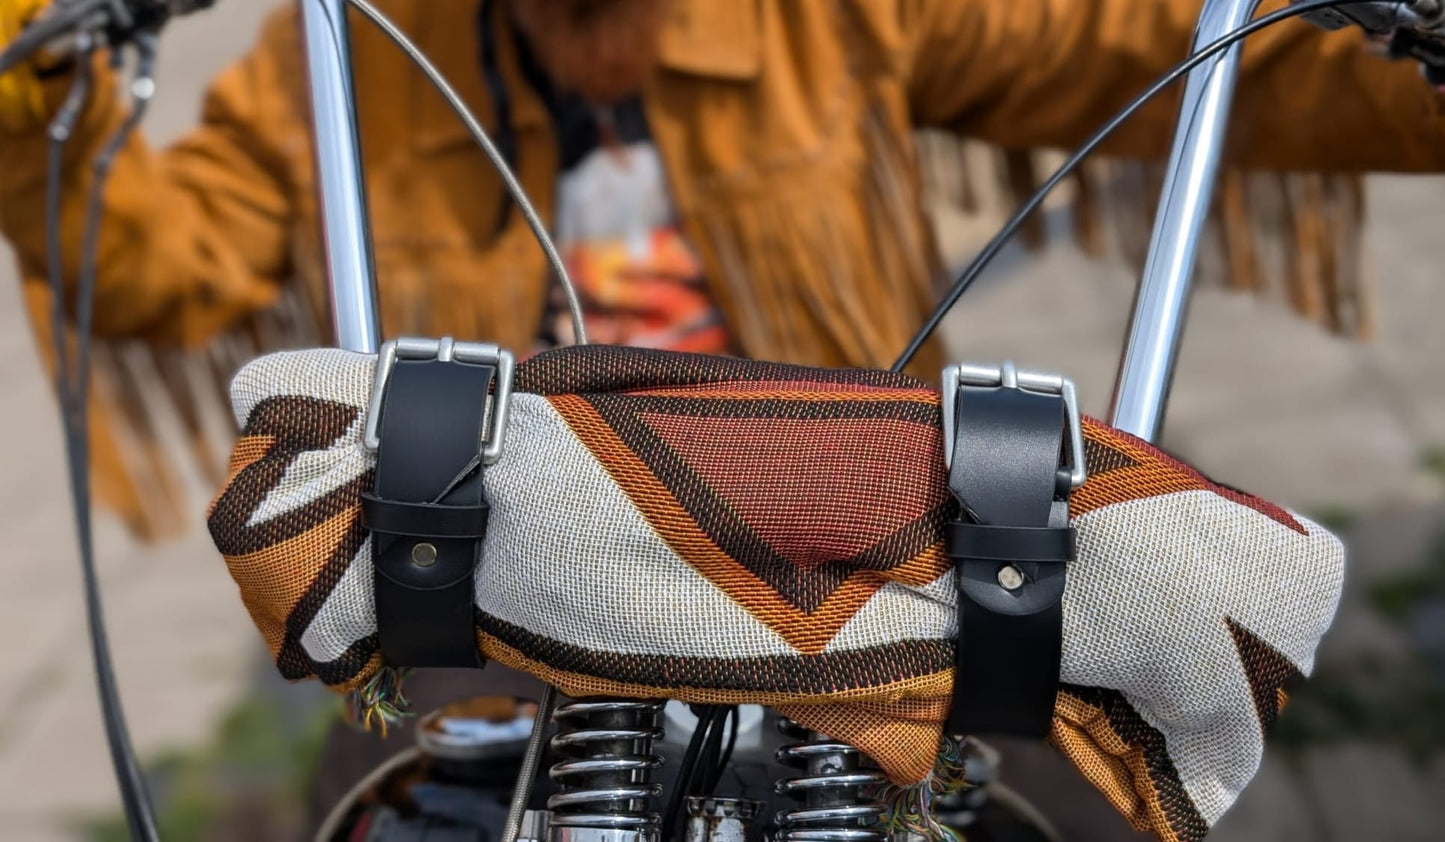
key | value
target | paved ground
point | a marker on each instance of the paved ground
(1262, 402)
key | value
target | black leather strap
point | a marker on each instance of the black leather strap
(1009, 553)
(424, 520)
(428, 513)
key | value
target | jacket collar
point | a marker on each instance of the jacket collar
(702, 38)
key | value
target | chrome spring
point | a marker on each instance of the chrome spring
(604, 779)
(831, 793)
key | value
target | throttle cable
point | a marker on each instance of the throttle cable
(72, 384)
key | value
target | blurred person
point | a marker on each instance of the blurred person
(723, 177)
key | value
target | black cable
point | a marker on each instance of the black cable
(682, 785)
(61, 128)
(735, 718)
(719, 753)
(990, 251)
(142, 88)
(73, 387)
(706, 774)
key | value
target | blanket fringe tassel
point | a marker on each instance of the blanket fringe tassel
(909, 809)
(381, 701)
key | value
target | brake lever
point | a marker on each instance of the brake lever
(1376, 18)
(1410, 29)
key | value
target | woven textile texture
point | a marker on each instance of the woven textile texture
(725, 531)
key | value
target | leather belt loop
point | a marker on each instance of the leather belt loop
(1009, 434)
(437, 409)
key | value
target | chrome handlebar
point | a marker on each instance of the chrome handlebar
(346, 230)
(1146, 369)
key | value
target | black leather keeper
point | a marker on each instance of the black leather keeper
(1010, 552)
(428, 513)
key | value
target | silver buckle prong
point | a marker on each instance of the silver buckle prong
(446, 350)
(1008, 376)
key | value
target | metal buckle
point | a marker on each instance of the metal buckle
(446, 350)
(1009, 377)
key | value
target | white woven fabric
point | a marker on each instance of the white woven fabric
(347, 615)
(1143, 614)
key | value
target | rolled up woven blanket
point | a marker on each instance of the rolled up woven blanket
(725, 531)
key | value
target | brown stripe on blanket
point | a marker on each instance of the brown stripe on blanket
(295, 426)
(828, 673)
(589, 369)
(351, 668)
(323, 583)
(1119, 752)
(1153, 473)
(1101, 458)
(1270, 673)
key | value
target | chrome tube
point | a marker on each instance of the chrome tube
(1161, 304)
(346, 233)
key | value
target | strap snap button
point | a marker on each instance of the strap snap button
(1010, 578)
(424, 555)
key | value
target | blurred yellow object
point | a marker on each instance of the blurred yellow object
(22, 99)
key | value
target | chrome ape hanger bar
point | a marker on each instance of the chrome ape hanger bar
(345, 231)
(1161, 304)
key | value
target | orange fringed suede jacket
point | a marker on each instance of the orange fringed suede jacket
(786, 127)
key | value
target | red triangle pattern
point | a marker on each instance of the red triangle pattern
(803, 505)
